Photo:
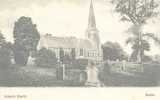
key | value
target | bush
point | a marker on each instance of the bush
(66, 59)
(21, 55)
(5, 59)
(80, 63)
(5, 50)
(45, 58)
(104, 73)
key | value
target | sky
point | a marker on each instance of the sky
(70, 18)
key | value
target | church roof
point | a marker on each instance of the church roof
(65, 42)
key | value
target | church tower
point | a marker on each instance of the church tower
(92, 32)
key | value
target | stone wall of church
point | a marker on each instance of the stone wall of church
(92, 54)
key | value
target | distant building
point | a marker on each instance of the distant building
(88, 48)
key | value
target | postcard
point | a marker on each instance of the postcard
(90, 49)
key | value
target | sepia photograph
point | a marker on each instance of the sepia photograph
(80, 43)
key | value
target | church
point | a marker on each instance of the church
(85, 48)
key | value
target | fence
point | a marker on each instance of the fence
(123, 66)
(78, 75)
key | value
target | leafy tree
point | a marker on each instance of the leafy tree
(26, 38)
(80, 63)
(45, 58)
(67, 59)
(5, 59)
(137, 12)
(21, 54)
(113, 51)
(140, 44)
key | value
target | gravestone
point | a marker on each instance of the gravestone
(31, 60)
(92, 75)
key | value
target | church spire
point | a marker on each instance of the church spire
(92, 32)
(91, 20)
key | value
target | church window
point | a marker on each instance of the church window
(88, 54)
(81, 52)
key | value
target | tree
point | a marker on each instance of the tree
(113, 51)
(5, 59)
(67, 59)
(137, 12)
(80, 63)
(21, 54)
(26, 38)
(45, 58)
(2, 39)
(140, 44)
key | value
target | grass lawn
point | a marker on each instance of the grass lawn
(148, 78)
(31, 77)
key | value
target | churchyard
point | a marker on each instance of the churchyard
(31, 76)
(132, 77)
(37, 76)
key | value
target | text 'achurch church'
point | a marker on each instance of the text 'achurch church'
(87, 48)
